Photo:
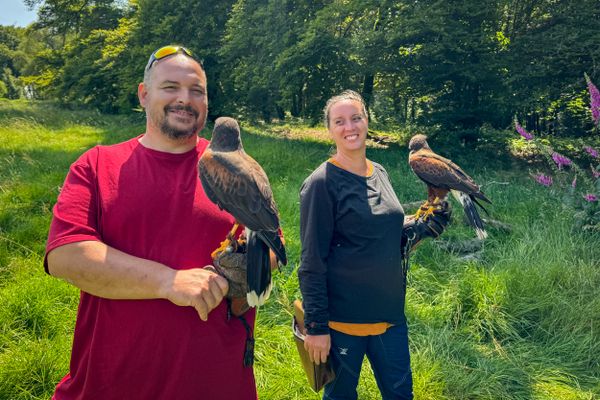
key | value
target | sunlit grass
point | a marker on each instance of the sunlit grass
(519, 322)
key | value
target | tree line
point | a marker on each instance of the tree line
(458, 65)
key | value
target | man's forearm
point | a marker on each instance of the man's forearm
(103, 271)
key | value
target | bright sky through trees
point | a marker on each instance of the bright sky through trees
(14, 12)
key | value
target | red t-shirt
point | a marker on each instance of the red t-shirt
(151, 205)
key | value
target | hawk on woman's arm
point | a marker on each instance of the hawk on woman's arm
(442, 176)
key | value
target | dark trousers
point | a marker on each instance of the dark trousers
(389, 358)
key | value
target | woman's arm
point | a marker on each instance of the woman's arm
(316, 232)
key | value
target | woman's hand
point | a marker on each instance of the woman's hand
(317, 347)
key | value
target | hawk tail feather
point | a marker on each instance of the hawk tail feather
(482, 196)
(468, 203)
(482, 207)
(258, 269)
(273, 240)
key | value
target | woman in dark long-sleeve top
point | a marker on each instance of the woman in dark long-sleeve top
(353, 233)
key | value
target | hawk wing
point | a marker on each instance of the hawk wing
(440, 172)
(237, 183)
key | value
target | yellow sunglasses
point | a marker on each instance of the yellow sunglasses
(167, 51)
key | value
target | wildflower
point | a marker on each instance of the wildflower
(544, 180)
(590, 197)
(594, 99)
(574, 183)
(522, 131)
(561, 160)
(591, 151)
(595, 173)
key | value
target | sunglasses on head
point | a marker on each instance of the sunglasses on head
(167, 51)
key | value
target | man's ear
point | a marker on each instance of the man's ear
(142, 94)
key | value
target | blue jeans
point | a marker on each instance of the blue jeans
(389, 358)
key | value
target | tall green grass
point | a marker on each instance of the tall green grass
(521, 321)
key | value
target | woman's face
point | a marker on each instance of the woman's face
(348, 125)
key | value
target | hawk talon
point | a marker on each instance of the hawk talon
(425, 214)
(422, 209)
(436, 202)
(225, 244)
(228, 245)
(428, 209)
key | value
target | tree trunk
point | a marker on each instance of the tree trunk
(367, 90)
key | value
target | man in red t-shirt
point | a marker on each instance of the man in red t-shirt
(133, 229)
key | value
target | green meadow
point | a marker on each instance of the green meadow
(518, 318)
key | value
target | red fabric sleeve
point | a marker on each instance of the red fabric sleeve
(75, 215)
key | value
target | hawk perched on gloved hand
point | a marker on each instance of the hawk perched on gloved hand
(231, 263)
(442, 176)
(237, 184)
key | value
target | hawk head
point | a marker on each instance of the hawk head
(418, 142)
(226, 135)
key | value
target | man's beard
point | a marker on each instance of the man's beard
(176, 133)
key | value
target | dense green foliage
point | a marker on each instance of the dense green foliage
(457, 65)
(519, 319)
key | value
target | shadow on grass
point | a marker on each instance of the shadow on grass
(52, 116)
(494, 369)
(30, 181)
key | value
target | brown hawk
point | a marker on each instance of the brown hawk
(236, 183)
(442, 176)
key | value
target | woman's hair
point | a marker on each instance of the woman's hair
(345, 95)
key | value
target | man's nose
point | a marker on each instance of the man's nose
(183, 97)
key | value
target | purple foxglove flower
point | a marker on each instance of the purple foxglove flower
(591, 151)
(590, 197)
(544, 180)
(594, 99)
(522, 131)
(561, 160)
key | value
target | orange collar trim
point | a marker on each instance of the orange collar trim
(370, 167)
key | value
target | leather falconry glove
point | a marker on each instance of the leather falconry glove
(432, 226)
(231, 264)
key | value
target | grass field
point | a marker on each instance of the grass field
(521, 320)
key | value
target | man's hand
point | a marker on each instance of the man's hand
(201, 288)
(317, 347)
